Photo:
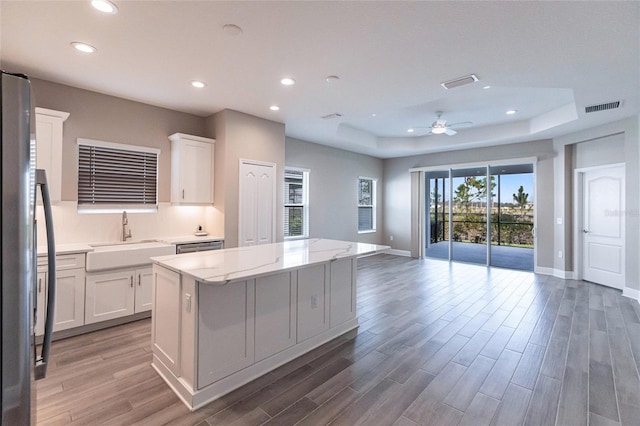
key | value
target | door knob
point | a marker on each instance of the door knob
(585, 231)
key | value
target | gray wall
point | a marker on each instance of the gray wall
(397, 189)
(333, 193)
(617, 142)
(242, 136)
(108, 118)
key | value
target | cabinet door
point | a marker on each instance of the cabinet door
(256, 203)
(69, 306)
(343, 291)
(109, 295)
(144, 289)
(275, 314)
(41, 300)
(225, 329)
(195, 172)
(49, 129)
(313, 309)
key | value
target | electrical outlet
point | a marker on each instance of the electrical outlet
(560, 254)
(187, 302)
(390, 237)
(314, 301)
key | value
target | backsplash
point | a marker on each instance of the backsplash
(168, 221)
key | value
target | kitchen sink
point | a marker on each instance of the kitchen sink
(125, 254)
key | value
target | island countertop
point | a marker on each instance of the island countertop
(222, 266)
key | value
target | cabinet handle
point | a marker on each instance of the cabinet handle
(39, 285)
(183, 194)
(131, 279)
(139, 281)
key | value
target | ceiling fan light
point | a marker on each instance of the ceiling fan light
(438, 130)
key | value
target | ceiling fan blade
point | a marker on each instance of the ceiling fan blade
(461, 124)
(449, 132)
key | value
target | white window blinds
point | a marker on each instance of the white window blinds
(366, 204)
(296, 203)
(111, 175)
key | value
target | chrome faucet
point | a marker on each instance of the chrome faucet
(126, 231)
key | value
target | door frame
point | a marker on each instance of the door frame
(274, 166)
(578, 215)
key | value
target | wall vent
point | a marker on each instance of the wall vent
(457, 82)
(602, 107)
(334, 115)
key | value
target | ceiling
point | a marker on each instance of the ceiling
(547, 60)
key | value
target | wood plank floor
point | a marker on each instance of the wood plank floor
(438, 344)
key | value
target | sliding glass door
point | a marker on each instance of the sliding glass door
(512, 220)
(437, 238)
(469, 217)
(482, 215)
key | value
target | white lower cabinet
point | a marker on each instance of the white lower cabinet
(69, 304)
(144, 290)
(313, 306)
(275, 328)
(116, 294)
(69, 310)
(225, 331)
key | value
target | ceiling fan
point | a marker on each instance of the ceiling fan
(440, 126)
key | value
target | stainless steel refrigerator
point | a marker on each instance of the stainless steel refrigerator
(22, 362)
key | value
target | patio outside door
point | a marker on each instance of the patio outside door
(462, 202)
(469, 218)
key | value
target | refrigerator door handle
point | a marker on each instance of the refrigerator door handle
(43, 359)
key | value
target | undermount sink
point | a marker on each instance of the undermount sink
(125, 254)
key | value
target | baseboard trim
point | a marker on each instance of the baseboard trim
(397, 252)
(631, 293)
(543, 270)
(558, 273)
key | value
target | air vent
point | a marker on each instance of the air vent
(602, 107)
(334, 115)
(459, 81)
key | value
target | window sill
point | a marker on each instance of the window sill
(369, 231)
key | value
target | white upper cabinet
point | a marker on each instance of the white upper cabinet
(191, 169)
(49, 128)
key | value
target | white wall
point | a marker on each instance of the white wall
(333, 196)
(397, 189)
(72, 227)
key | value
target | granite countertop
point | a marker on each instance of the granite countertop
(186, 239)
(66, 248)
(222, 266)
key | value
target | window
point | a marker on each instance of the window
(116, 177)
(296, 203)
(366, 205)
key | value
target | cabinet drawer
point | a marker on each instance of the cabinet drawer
(69, 261)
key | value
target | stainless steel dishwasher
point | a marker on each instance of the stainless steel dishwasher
(200, 246)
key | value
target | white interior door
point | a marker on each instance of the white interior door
(603, 226)
(256, 203)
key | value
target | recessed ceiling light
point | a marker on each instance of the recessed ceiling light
(288, 81)
(511, 112)
(410, 130)
(232, 30)
(332, 79)
(198, 84)
(104, 6)
(274, 108)
(83, 47)
(373, 115)
(487, 87)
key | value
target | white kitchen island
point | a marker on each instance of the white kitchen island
(223, 318)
